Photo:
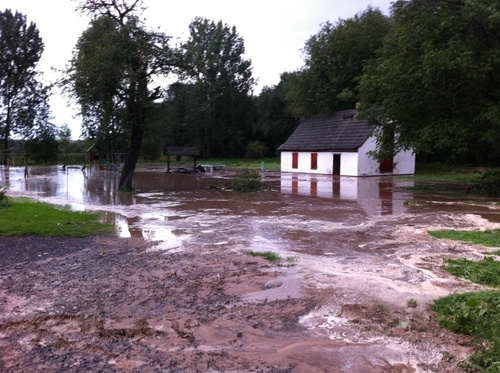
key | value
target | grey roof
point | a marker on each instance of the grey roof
(340, 131)
(97, 148)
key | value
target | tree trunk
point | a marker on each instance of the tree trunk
(5, 150)
(131, 158)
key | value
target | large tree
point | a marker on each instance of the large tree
(114, 65)
(21, 48)
(220, 80)
(334, 61)
(437, 81)
(274, 122)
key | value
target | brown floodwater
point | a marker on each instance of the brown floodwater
(352, 240)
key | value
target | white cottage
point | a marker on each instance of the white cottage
(339, 144)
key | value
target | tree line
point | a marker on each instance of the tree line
(426, 77)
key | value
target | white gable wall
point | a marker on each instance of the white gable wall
(367, 166)
(404, 163)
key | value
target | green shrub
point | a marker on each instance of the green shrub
(248, 181)
(489, 184)
(477, 315)
(3, 196)
(255, 149)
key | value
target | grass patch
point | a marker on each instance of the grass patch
(488, 237)
(475, 314)
(484, 272)
(268, 255)
(26, 217)
(271, 164)
(447, 173)
(447, 190)
(289, 261)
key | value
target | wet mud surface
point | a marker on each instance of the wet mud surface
(175, 291)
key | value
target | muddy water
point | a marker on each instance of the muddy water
(353, 241)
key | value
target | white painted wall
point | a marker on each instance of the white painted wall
(351, 163)
(367, 165)
(348, 163)
(404, 163)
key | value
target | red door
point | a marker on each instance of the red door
(387, 165)
(295, 160)
(314, 161)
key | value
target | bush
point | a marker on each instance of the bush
(248, 181)
(255, 149)
(477, 315)
(3, 196)
(489, 184)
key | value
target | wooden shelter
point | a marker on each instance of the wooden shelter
(178, 152)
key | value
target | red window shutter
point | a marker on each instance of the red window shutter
(295, 160)
(314, 161)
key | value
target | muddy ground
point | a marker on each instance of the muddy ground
(109, 305)
(355, 298)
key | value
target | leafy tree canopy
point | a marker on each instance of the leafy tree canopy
(21, 95)
(437, 80)
(274, 122)
(114, 65)
(219, 81)
(334, 60)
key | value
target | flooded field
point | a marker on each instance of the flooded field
(358, 249)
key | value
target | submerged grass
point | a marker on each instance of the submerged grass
(484, 272)
(27, 217)
(273, 257)
(447, 173)
(489, 238)
(268, 255)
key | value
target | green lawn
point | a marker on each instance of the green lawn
(477, 313)
(24, 217)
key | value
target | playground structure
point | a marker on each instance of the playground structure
(95, 157)
(16, 160)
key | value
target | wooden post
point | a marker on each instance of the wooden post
(26, 156)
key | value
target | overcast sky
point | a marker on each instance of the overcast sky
(274, 32)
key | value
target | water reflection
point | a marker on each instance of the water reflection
(375, 195)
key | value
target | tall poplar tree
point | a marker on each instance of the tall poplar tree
(221, 81)
(334, 61)
(21, 95)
